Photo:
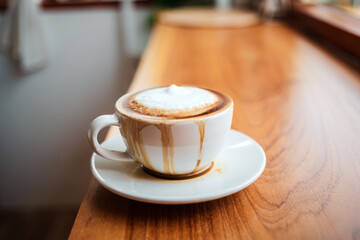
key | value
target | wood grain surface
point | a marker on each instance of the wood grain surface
(297, 100)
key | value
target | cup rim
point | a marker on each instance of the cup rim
(119, 113)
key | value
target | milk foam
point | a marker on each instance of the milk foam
(175, 98)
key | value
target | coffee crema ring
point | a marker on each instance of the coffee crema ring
(175, 113)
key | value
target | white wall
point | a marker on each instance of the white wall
(44, 153)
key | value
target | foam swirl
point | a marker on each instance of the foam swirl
(173, 101)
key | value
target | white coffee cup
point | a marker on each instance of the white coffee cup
(170, 148)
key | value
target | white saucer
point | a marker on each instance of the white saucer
(239, 164)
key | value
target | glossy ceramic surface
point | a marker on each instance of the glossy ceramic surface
(239, 164)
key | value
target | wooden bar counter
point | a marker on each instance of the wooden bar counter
(297, 100)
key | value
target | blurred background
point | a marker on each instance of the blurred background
(64, 62)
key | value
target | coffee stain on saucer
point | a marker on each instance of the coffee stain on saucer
(185, 176)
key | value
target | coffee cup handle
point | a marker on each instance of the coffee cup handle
(93, 131)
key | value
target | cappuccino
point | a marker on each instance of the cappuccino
(175, 102)
(172, 132)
